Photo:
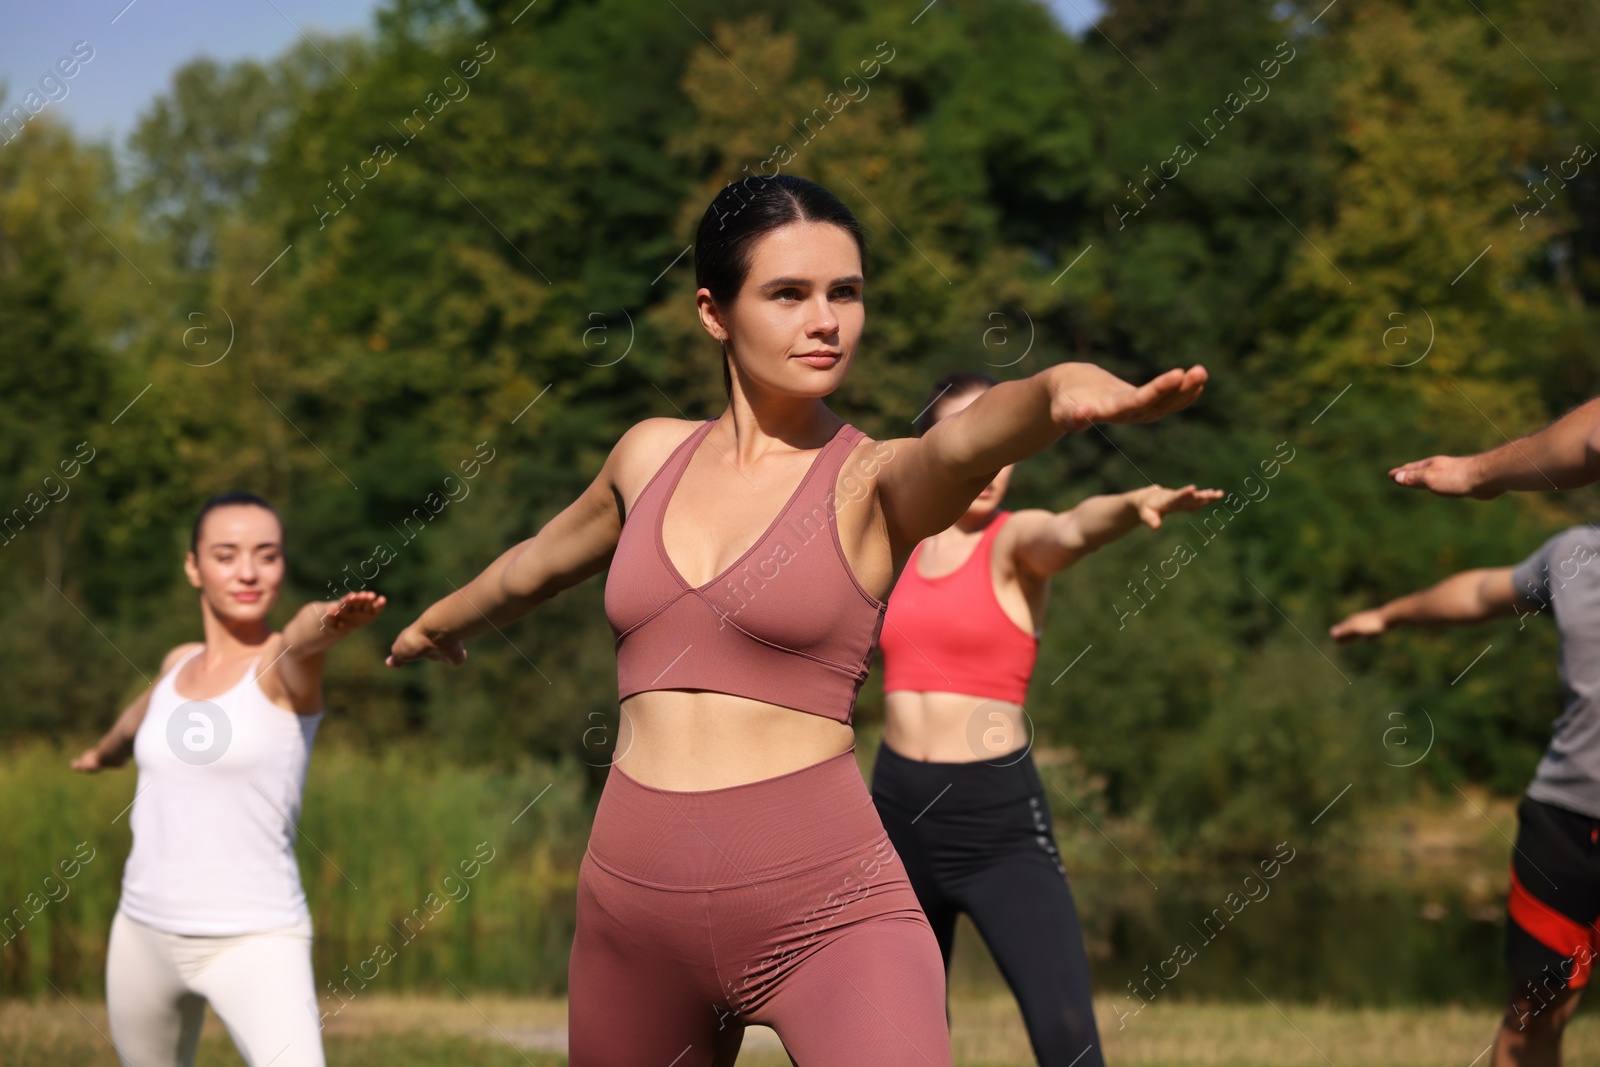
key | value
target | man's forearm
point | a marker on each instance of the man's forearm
(1457, 599)
(1563, 455)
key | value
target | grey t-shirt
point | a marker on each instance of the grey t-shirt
(1563, 578)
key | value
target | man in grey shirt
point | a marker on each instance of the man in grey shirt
(1551, 937)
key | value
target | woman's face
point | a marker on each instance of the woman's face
(794, 326)
(988, 501)
(238, 566)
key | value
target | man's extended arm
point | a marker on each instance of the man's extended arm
(1563, 455)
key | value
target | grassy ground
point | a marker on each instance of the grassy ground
(497, 1031)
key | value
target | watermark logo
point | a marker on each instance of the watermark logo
(1400, 340)
(996, 343)
(997, 736)
(199, 732)
(601, 329)
(598, 737)
(197, 337)
(1397, 742)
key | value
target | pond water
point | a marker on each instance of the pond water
(1318, 931)
(1321, 931)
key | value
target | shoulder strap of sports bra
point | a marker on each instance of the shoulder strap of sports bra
(977, 561)
(250, 674)
(680, 456)
(841, 444)
(670, 471)
(983, 554)
(991, 533)
(171, 677)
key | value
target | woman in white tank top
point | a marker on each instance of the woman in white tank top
(212, 908)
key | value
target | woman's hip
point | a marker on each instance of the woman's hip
(768, 830)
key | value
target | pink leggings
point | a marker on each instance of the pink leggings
(779, 902)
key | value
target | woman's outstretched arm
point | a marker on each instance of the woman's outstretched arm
(932, 478)
(116, 746)
(575, 545)
(296, 658)
(1048, 542)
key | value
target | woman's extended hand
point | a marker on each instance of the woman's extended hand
(1154, 501)
(415, 643)
(353, 611)
(1086, 394)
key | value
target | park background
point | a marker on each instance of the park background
(456, 241)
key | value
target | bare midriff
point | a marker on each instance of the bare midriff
(952, 727)
(692, 740)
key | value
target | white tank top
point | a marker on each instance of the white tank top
(214, 811)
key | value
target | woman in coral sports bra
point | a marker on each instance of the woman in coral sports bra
(954, 781)
(737, 871)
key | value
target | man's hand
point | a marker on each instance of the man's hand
(1445, 475)
(1369, 623)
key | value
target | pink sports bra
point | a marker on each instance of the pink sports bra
(787, 623)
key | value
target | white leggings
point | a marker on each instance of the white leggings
(260, 986)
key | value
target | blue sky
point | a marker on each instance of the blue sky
(137, 46)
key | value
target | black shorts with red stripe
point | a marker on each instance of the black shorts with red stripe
(1552, 936)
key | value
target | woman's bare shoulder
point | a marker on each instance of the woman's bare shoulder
(639, 453)
(1022, 530)
(871, 454)
(177, 655)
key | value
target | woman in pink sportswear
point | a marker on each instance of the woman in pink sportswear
(737, 871)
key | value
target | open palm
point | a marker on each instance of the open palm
(1100, 396)
(353, 611)
(1156, 501)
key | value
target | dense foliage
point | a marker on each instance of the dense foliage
(456, 244)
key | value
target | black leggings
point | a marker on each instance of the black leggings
(976, 837)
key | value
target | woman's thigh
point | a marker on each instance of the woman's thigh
(155, 1018)
(263, 991)
(875, 995)
(840, 961)
(641, 982)
(1023, 909)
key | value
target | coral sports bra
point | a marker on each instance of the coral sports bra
(787, 623)
(950, 635)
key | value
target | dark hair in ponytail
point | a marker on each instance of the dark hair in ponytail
(747, 210)
(953, 385)
(222, 500)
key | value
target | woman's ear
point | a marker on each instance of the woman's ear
(710, 316)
